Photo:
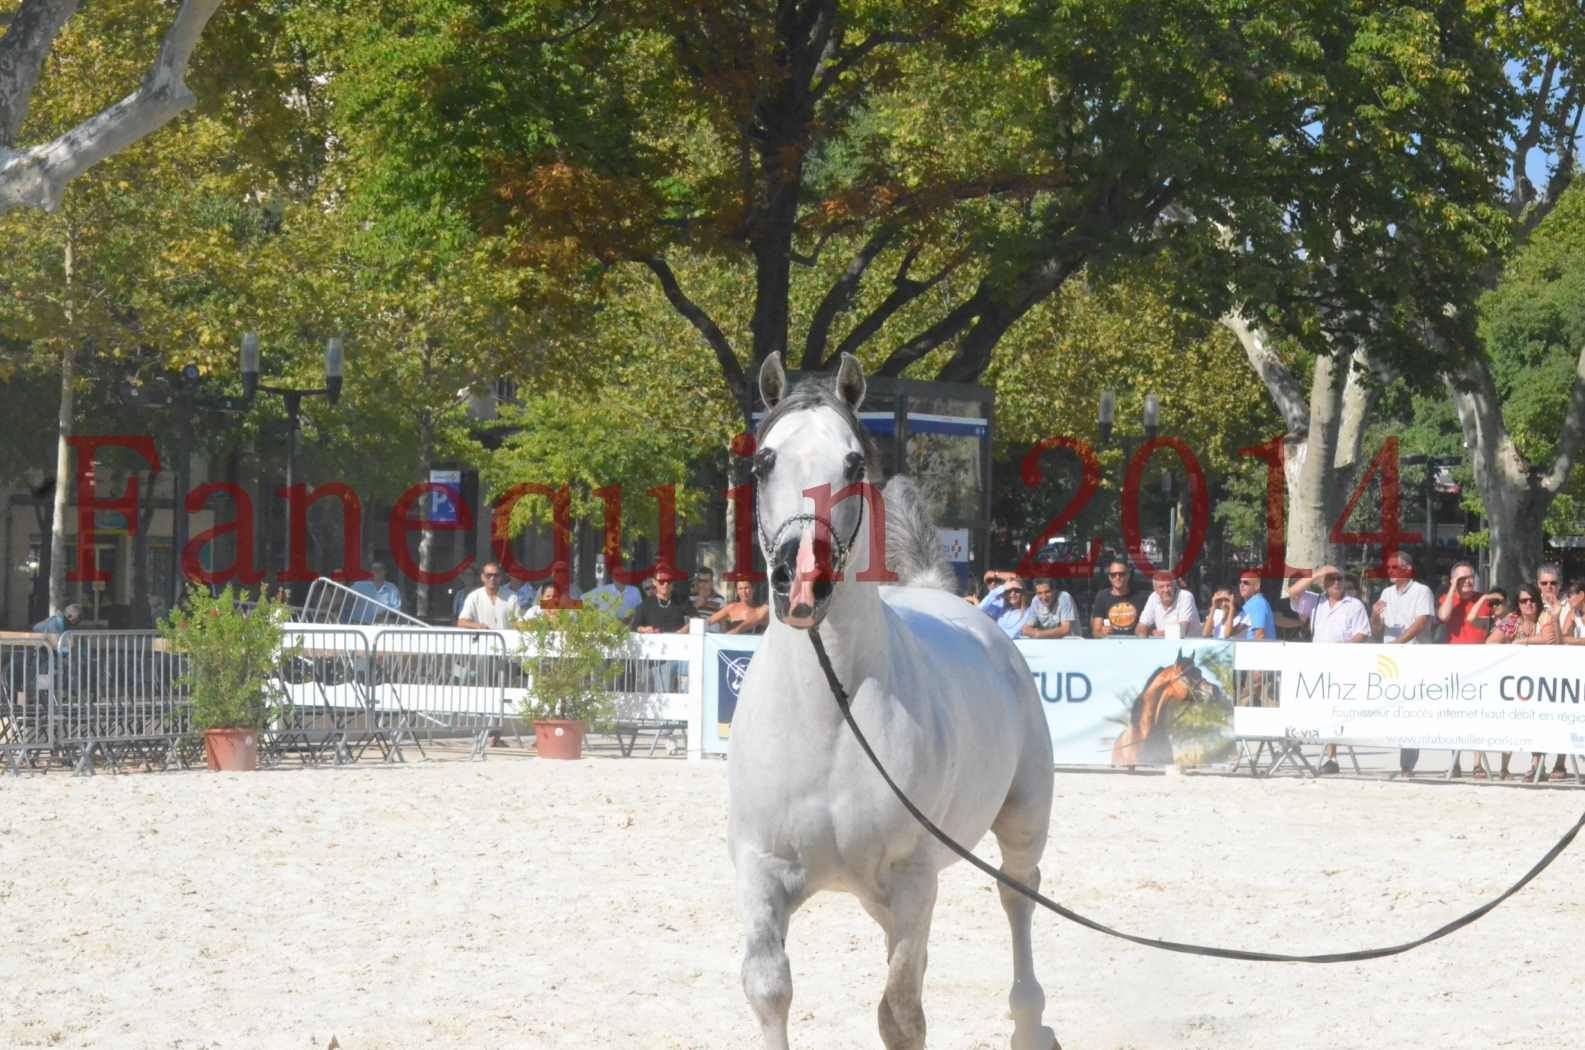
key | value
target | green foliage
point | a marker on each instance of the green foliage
(1533, 327)
(909, 180)
(232, 657)
(573, 669)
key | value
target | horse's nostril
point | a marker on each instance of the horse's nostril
(781, 578)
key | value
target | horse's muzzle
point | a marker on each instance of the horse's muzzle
(800, 582)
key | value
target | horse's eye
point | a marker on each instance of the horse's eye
(855, 466)
(764, 460)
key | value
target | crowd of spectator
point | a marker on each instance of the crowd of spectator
(1326, 606)
(667, 602)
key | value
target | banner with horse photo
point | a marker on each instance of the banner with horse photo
(1135, 702)
(1108, 702)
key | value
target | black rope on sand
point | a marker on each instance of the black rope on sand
(841, 697)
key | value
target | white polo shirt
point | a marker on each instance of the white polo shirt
(1403, 608)
(497, 613)
(1183, 609)
(1340, 622)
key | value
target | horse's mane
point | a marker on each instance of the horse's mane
(913, 549)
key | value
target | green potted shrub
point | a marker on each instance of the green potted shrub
(572, 672)
(232, 657)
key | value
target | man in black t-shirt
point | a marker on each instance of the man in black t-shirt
(661, 613)
(1116, 610)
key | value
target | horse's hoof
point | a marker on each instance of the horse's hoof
(1040, 1040)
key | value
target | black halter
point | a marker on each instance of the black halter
(843, 549)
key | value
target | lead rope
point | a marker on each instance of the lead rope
(841, 697)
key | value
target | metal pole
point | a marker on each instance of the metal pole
(1172, 534)
(179, 521)
(293, 404)
(1430, 510)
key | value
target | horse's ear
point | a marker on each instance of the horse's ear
(772, 380)
(1185, 661)
(850, 381)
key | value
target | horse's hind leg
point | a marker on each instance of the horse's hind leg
(767, 895)
(1021, 832)
(905, 916)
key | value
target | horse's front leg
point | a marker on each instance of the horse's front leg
(907, 913)
(768, 890)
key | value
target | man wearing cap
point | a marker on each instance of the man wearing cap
(1008, 605)
(1334, 617)
(1401, 616)
(661, 613)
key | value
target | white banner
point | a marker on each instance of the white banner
(1453, 697)
(1122, 702)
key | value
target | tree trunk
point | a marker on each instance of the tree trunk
(1322, 445)
(63, 449)
(1516, 495)
(138, 614)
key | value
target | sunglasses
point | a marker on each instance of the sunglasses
(1116, 574)
(1526, 601)
(489, 575)
(1546, 583)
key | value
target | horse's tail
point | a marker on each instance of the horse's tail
(913, 549)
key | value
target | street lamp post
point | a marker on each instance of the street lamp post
(293, 399)
(182, 393)
(1150, 418)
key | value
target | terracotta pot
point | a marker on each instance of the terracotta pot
(558, 738)
(232, 750)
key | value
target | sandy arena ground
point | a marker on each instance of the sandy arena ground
(524, 903)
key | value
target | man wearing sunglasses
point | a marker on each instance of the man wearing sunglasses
(1116, 610)
(487, 609)
(1334, 616)
(1401, 616)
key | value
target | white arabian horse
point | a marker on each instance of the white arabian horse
(944, 697)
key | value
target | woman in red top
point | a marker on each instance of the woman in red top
(1468, 620)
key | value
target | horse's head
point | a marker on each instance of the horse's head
(810, 448)
(1181, 682)
(1186, 682)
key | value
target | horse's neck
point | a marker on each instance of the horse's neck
(1150, 707)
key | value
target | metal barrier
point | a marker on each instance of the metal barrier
(447, 683)
(118, 695)
(459, 683)
(326, 677)
(329, 602)
(106, 698)
(26, 688)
